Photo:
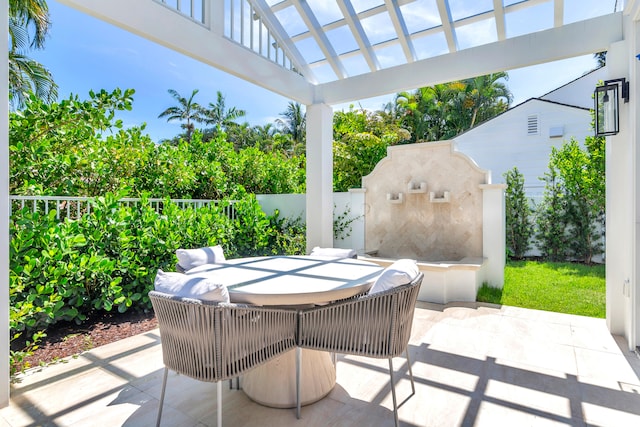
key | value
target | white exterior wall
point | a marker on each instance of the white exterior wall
(502, 143)
(623, 199)
(289, 205)
(620, 216)
(293, 206)
(579, 92)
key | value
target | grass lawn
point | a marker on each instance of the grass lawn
(553, 286)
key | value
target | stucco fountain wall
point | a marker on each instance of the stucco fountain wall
(431, 203)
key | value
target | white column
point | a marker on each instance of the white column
(4, 210)
(319, 176)
(493, 233)
(633, 34)
(621, 199)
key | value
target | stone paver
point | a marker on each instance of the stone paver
(474, 365)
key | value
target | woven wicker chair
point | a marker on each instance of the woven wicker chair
(214, 342)
(375, 325)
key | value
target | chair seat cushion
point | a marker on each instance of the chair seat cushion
(399, 273)
(190, 258)
(334, 252)
(190, 287)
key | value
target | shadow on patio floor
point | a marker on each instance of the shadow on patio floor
(474, 365)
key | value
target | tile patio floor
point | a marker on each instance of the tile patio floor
(474, 365)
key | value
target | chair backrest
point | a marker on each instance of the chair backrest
(375, 325)
(212, 342)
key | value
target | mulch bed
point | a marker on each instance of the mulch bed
(68, 339)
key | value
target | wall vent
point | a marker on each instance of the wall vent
(532, 125)
(556, 132)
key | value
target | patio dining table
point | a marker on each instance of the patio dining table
(291, 281)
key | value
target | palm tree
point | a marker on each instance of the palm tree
(489, 96)
(445, 110)
(30, 14)
(293, 123)
(263, 136)
(240, 135)
(424, 112)
(28, 26)
(218, 115)
(187, 110)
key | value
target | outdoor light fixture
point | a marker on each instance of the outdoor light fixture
(607, 106)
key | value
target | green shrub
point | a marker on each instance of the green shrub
(570, 219)
(519, 229)
(107, 260)
(551, 220)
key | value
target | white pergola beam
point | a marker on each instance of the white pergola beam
(447, 26)
(319, 35)
(359, 34)
(498, 8)
(401, 30)
(580, 38)
(558, 13)
(198, 42)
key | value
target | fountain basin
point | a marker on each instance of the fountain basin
(444, 281)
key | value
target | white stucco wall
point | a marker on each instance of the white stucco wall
(579, 91)
(351, 205)
(502, 143)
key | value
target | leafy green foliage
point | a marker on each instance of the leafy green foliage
(551, 220)
(58, 148)
(77, 147)
(343, 223)
(361, 139)
(519, 229)
(443, 111)
(570, 219)
(107, 259)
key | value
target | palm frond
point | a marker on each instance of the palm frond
(27, 75)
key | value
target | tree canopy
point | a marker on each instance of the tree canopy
(443, 111)
(77, 147)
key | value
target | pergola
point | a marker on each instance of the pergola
(324, 52)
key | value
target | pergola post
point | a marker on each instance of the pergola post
(634, 123)
(319, 176)
(494, 233)
(4, 212)
(621, 200)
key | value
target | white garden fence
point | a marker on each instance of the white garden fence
(75, 207)
(348, 206)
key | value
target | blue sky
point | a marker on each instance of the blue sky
(85, 54)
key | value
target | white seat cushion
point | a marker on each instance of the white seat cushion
(190, 287)
(399, 273)
(333, 252)
(189, 258)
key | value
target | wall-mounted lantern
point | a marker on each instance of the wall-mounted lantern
(607, 106)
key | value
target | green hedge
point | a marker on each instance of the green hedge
(107, 259)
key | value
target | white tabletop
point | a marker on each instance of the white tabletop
(291, 280)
